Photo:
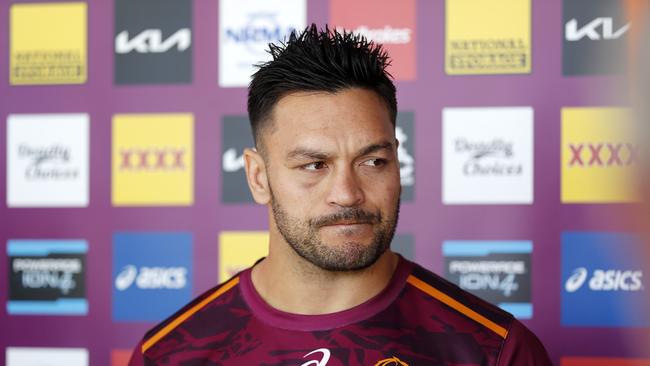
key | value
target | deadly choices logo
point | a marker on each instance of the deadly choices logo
(152, 274)
(603, 281)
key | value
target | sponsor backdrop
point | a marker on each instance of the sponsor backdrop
(125, 122)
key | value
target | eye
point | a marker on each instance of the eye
(375, 162)
(317, 165)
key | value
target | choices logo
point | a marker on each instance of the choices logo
(594, 33)
(393, 24)
(488, 37)
(246, 27)
(47, 277)
(152, 275)
(33, 356)
(48, 43)
(599, 155)
(497, 271)
(236, 135)
(153, 168)
(239, 250)
(603, 280)
(488, 155)
(47, 160)
(153, 41)
(405, 134)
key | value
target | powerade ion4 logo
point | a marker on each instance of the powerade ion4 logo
(497, 271)
(47, 277)
(152, 275)
(603, 280)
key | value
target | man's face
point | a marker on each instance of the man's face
(333, 176)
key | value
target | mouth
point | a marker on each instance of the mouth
(348, 223)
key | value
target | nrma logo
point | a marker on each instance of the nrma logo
(605, 280)
(261, 29)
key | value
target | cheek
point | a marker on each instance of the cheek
(384, 191)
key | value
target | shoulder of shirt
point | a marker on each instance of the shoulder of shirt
(153, 335)
(463, 302)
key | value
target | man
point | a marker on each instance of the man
(330, 291)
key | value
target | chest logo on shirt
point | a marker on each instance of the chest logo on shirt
(392, 361)
(322, 362)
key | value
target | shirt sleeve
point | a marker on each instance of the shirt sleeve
(522, 347)
(136, 356)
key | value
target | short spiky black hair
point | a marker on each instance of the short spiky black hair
(319, 60)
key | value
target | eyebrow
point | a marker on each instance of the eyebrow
(303, 152)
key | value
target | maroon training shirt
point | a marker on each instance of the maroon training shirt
(418, 319)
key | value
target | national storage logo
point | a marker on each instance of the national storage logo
(152, 274)
(603, 280)
(390, 23)
(246, 27)
(48, 160)
(595, 35)
(153, 41)
(153, 159)
(48, 43)
(488, 37)
(599, 155)
(47, 277)
(487, 155)
(497, 271)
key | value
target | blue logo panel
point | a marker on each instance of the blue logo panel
(152, 275)
(603, 281)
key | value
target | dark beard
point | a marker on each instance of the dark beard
(303, 237)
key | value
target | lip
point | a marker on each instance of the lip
(348, 224)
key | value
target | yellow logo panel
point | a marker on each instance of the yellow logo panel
(598, 155)
(239, 250)
(153, 160)
(48, 44)
(487, 37)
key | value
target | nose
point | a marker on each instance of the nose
(345, 189)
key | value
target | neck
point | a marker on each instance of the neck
(289, 283)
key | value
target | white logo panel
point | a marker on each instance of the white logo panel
(246, 27)
(487, 155)
(47, 160)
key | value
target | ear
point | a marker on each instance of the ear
(256, 176)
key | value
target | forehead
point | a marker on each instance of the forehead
(349, 118)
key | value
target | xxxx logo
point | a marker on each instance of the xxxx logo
(152, 159)
(603, 154)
